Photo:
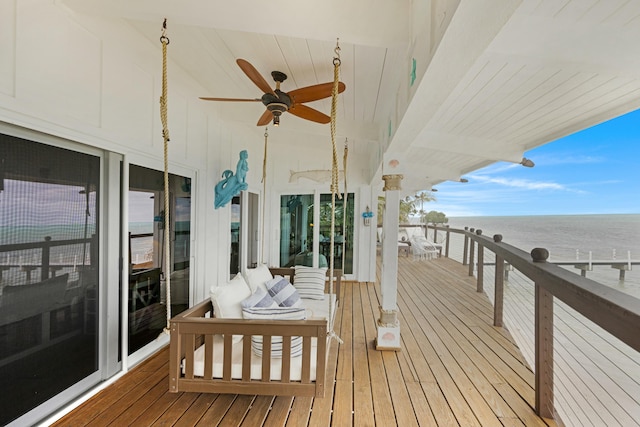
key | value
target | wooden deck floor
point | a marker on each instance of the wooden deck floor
(454, 369)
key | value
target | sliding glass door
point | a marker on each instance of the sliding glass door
(342, 231)
(50, 222)
(147, 299)
(305, 219)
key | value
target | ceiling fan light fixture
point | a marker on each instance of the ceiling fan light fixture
(277, 108)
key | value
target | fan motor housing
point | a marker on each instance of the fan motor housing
(277, 102)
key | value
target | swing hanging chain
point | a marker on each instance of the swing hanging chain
(165, 134)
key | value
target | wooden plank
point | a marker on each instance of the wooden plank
(382, 404)
(359, 339)
(345, 357)
(104, 399)
(258, 412)
(441, 409)
(279, 412)
(420, 404)
(528, 417)
(362, 404)
(343, 404)
(322, 406)
(399, 396)
(237, 411)
(217, 411)
(140, 404)
(193, 414)
(300, 412)
(167, 410)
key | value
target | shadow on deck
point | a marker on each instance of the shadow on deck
(455, 368)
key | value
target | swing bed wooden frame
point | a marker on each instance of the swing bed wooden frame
(196, 327)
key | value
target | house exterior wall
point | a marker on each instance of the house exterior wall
(96, 81)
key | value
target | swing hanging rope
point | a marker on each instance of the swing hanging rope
(165, 135)
(335, 190)
(264, 188)
(344, 203)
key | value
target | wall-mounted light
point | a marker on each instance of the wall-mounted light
(527, 163)
(366, 216)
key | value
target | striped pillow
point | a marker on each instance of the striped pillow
(278, 313)
(260, 299)
(283, 292)
(309, 281)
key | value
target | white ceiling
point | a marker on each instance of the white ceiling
(495, 77)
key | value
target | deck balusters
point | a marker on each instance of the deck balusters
(498, 298)
(46, 252)
(480, 279)
(472, 248)
(543, 342)
(446, 243)
(466, 247)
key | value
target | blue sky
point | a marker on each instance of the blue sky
(594, 171)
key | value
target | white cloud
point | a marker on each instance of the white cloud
(521, 183)
(561, 159)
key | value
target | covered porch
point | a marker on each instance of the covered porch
(454, 368)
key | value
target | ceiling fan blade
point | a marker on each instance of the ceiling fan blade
(255, 76)
(265, 118)
(309, 113)
(315, 92)
(230, 99)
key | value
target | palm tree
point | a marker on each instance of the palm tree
(407, 209)
(422, 198)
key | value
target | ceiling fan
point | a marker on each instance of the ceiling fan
(278, 102)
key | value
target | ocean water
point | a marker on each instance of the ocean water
(570, 237)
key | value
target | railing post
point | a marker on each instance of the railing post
(498, 286)
(435, 234)
(472, 249)
(544, 343)
(480, 280)
(46, 251)
(466, 248)
(446, 243)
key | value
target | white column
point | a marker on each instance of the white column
(388, 337)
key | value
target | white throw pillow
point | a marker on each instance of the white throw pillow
(310, 281)
(257, 277)
(226, 298)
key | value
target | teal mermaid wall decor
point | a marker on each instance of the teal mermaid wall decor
(232, 184)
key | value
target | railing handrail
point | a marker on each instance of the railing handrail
(13, 247)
